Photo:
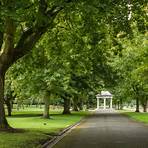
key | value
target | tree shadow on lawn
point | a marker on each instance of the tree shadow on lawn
(13, 130)
(61, 114)
(24, 115)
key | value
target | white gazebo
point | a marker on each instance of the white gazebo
(104, 95)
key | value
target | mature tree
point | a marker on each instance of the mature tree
(22, 23)
(131, 67)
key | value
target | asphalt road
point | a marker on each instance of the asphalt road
(106, 130)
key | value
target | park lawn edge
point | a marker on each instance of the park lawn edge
(39, 137)
(61, 132)
(137, 116)
(64, 130)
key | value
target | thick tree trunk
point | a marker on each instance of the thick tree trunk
(121, 104)
(46, 105)
(3, 122)
(46, 110)
(145, 108)
(8, 102)
(137, 105)
(145, 104)
(66, 106)
(80, 105)
(9, 107)
(75, 106)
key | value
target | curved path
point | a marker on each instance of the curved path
(106, 130)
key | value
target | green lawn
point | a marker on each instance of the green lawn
(142, 117)
(37, 129)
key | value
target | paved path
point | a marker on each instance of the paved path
(106, 130)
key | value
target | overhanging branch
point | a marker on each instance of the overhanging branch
(42, 6)
(1, 39)
(33, 34)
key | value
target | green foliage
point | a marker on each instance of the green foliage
(86, 46)
(132, 68)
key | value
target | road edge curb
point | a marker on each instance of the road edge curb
(63, 133)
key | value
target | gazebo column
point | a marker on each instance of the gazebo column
(98, 103)
(111, 104)
(104, 103)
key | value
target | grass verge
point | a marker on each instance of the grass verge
(36, 129)
(142, 117)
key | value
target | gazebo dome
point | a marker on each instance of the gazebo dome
(104, 94)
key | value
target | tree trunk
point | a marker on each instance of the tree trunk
(118, 105)
(80, 105)
(9, 107)
(46, 105)
(75, 106)
(121, 104)
(46, 110)
(145, 108)
(3, 122)
(66, 106)
(137, 104)
(145, 105)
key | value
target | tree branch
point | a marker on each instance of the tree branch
(7, 43)
(27, 41)
(1, 39)
(57, 8)
(42, 6)
(33, 34)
